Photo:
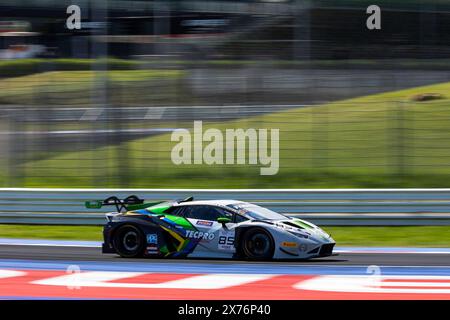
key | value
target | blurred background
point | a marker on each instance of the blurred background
(95, 107)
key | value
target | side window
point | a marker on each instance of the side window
(210, 213)
(195, 212)
(238, 218)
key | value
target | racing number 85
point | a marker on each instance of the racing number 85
(226, 240)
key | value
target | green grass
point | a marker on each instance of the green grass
(51, 232)
(422, 236)
(431, 236)
(22, 67)
(80, 87)
(383, 140)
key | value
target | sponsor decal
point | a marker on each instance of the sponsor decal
(152, 250)
(199, 235)
(204, 223)
(152, 238)
(289, 244)
(226, 240)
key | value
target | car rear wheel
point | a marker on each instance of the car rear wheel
(129, 241)
(257, 244)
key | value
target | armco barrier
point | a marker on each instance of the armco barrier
(321, 206)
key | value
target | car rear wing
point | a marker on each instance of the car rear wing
(129, 203)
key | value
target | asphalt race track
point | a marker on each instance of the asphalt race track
(45, 269)
(94, 254)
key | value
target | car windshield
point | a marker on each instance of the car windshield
(256, 212)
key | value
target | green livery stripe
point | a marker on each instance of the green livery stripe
(183, 222)
(185, 245)
(179, 221)
(132, 207)
(164, 250)
(159, 209)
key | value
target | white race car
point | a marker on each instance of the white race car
(208, 229)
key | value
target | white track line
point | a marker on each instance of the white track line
(104, 279)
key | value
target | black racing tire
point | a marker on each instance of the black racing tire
(257, 244)
(129, 241)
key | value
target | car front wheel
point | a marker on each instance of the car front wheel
(257, 244)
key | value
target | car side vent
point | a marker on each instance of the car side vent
(293, 225)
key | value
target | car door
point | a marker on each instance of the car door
(214, 240)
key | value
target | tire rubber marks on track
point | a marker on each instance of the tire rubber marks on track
(106, 279)
(379, 284)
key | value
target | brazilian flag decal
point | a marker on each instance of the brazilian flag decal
(185, 245)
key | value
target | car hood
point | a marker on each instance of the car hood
(302, 227)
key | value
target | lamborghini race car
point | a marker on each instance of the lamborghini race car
(208, 229)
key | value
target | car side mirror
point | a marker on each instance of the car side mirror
(223, 220)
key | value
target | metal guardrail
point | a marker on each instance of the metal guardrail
(321, 206)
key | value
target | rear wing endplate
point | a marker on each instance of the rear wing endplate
(121, 204)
